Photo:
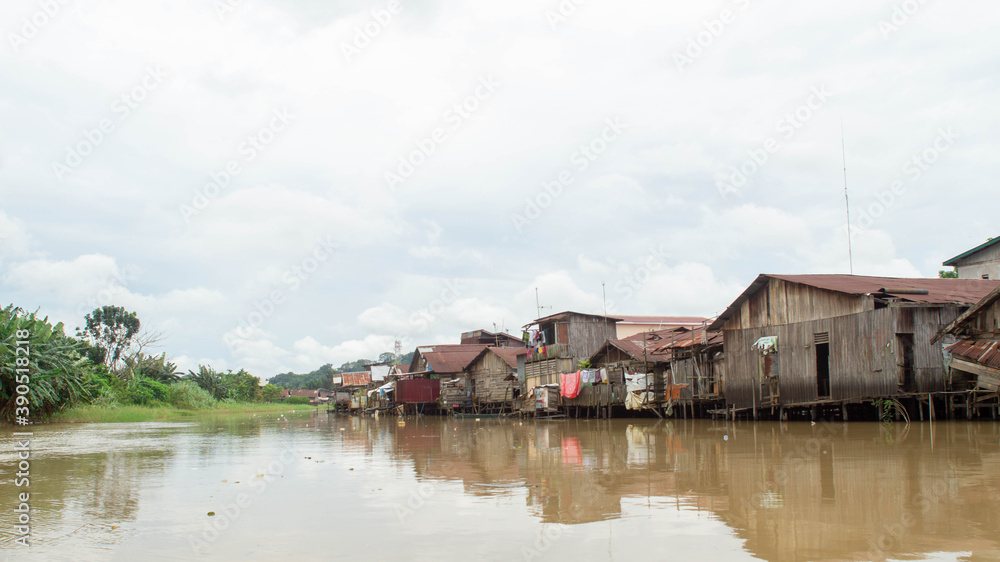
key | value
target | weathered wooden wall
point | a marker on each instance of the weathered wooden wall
(587, 334)
(985, 324)
(489, 376)
(782, 303)
(864, 355)
(545, 371)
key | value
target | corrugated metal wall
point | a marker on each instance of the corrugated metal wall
(417, 391)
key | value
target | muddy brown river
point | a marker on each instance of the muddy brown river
(313, 486)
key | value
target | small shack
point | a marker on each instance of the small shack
(811, 341)
(697, 370)
(493, 379)
(633, 365)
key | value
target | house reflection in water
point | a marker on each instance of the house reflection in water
(791, 491)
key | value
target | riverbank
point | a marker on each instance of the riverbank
(125, 414)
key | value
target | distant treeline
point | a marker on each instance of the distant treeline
(323, 377)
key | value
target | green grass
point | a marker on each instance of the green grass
(125, 414)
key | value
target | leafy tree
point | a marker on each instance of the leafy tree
(111, 328)
(953, 274)
(57, 374)
(270, 392)
(241, 386)
(386, 357)
(208, 379)
(148, 366)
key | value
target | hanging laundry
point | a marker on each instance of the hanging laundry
(569, 384)
(602, 375)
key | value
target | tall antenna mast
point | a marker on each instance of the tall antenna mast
(604, 298)
(847, 200)
(538, 305)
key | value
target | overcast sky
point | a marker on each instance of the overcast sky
(279, 185)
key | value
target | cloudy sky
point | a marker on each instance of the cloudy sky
(279, 185)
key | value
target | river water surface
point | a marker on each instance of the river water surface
(312, 486)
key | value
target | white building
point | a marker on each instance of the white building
(982, 262)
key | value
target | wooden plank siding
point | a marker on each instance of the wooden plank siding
(490, 375)
(587, 334)
(864, 354)
(782, 302)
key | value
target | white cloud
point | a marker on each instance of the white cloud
(14, 239)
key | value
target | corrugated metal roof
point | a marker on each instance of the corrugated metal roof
(954, 261)
(356, 379)
(939, 291)
(644, 345)
(984, 352)
(450, 358)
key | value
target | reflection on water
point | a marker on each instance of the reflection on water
(321, 487)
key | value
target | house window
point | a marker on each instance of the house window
(986, 276)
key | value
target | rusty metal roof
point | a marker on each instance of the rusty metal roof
(356, 379)
(938, 291)
(642, 346)
(984, 352)
(453, 358)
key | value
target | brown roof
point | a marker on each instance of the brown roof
(939, 291)
(402, 369)
(984, 352)
(650, 341)
(449, 358)
(362, 378)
